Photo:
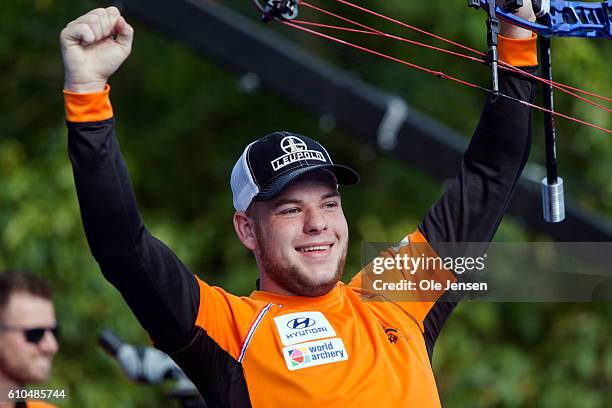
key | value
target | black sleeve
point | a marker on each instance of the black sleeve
(475, 201)
(160, 290)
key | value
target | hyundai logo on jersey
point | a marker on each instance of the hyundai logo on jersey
(294, 328)
(300, 323)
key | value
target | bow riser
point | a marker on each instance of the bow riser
(567, 19)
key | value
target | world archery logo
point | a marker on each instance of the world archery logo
(315, 353)
(299, 356)
(295, 150)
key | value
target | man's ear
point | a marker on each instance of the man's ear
(245, 229)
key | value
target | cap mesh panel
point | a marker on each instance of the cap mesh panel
(242, 183)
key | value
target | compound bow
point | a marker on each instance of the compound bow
(555, 18)
(559, 19)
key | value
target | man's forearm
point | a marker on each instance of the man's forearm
(475, 201)
(160, 290)
(108, 208)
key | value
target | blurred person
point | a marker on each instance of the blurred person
(27, 334)
(304, 338)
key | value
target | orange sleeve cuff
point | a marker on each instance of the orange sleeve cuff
(88, 107)
(418, 237)
(520, 52)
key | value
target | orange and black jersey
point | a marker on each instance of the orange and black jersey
(269, 350)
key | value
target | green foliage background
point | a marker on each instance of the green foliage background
(182, 122)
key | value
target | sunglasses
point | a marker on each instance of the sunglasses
(33, 335)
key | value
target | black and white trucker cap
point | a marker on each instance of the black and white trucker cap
(269, 164)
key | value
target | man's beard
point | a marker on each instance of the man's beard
(295, 279)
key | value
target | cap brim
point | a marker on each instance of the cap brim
(344, 176)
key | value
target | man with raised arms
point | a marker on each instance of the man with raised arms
(303, 338)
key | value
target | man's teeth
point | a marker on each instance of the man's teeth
(315, 248)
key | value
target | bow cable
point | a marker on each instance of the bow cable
(448, 41)
(439, 74)
(482, 59)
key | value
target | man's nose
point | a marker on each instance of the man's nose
(315, 222)
(48, 344)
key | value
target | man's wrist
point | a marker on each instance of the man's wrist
(509, 30)
(84, 88)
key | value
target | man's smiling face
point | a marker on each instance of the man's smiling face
(301, 236)
(23, 362)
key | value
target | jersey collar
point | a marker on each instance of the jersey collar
(331, 298)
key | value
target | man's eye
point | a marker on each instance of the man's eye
(331, 204)
(290, 211)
